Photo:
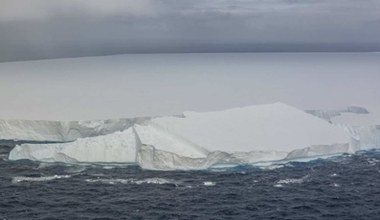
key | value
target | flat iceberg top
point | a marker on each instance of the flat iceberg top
(61, 131)
(272, 127)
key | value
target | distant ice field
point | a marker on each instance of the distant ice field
(126, 86)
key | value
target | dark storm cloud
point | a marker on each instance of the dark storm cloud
(48, 28)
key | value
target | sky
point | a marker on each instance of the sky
(176, 56)
(167, 84)
(45, 29)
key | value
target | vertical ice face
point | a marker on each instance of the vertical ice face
(32, 130)
(361, 123)
(118, 147)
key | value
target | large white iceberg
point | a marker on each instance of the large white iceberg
(194, 140)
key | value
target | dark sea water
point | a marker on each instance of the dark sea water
(344, 187)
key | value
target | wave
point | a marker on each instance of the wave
(19, 179)
(283, 182)
(159, 181)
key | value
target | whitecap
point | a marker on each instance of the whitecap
(293, 180)
(19, 179)
(209, 183)
(108, 181)
(289, 181)
(156, 181)
(159, 181)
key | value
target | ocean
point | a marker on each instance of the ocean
(341, 187)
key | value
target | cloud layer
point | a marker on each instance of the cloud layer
(19, 10)
(36, 29)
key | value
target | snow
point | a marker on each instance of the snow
(271, 127)
(32, 130)
(169, 142)
(61, 131)
(246, 135)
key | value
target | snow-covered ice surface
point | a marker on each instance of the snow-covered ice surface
(250, 135)
(273, 127)
(61, 131)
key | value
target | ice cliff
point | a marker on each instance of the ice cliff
(362, 124)
(248, 135)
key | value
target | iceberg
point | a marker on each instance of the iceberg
(328, 115)
(61, 131)
(270, 127)
(362, 124)
(194, 140)
(118, 147)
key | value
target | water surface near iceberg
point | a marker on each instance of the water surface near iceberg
(342, 187)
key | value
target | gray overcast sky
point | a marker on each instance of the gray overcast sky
(37, 29)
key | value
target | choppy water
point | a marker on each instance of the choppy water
(345, 187)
